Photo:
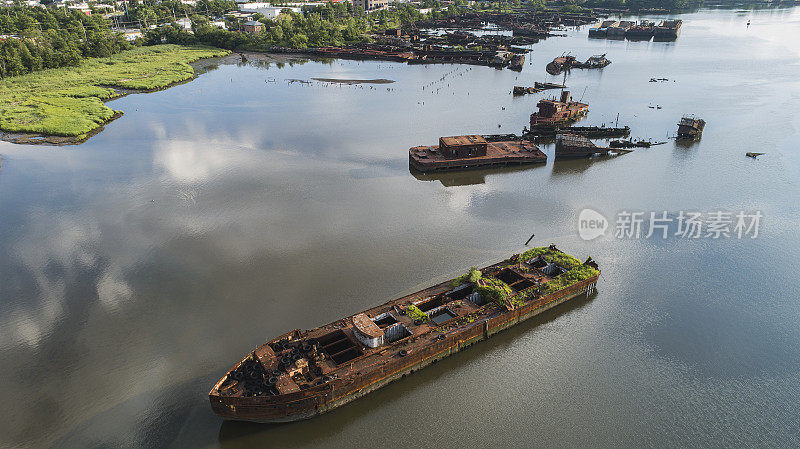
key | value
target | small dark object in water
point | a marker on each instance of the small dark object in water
(753, 155)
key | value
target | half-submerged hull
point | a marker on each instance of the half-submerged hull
(429, 340)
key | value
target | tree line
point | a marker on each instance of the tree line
(329, 25)
(41, 38)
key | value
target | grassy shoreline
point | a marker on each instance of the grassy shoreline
(69, 102)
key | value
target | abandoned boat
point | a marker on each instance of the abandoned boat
(643, 31)
(554, 112)
(668, 30)
(601, 30)
(690, 127)
(618, 30)
(474, 151)
(301, 374)
(574, 146)
(543, 86)
(594, 62)
(560, 64)
(524, 90)
(517, 62)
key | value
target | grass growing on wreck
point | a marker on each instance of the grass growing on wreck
(576, 271)
(415, 313)
(495, 290)
(473, 276)
(69, 101)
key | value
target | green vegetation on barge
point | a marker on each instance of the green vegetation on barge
(302, 374)
(66, 105)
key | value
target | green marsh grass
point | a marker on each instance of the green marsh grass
(69, 101)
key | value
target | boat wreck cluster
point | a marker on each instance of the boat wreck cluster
(452, 40)
(553, 118)
(305, 373)
(666, 30)
(301, 374)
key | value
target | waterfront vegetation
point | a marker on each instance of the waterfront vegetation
(69, 101)
(330, 25)
(81, 61)
(43, 38)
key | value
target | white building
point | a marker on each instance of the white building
(132, 34)
(270, 12)
(371, 5)
(184, 23)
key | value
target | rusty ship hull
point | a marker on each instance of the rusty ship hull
(500, 151)
(344, 382)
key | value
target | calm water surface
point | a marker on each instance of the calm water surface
(141, 265)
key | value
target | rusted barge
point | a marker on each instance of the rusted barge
(574, 146)
(474, 151)
(302, 374)
(542, 130)
(668, 30)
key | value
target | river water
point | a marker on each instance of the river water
(214, 215)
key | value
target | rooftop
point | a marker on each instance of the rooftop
(453, 141)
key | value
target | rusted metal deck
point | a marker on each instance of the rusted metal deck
(499, 153)
(306, 373)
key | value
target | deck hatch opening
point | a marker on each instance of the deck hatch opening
(537, 262)
(331, 337)
(509, 276)
(429, 304)
(523, 284)
(443, 315)
(384, 320)
(339, 347)
(346, 355)
(461, 292)
(396, 332)
(553, 270)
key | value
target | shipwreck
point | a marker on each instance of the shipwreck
(475, 151)
(302, 374)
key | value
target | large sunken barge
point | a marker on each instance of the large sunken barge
(474, 151)
(302, 374)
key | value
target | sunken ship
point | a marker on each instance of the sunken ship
(690, 127)
(552, 113)
(475, 151)
(302, 374)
